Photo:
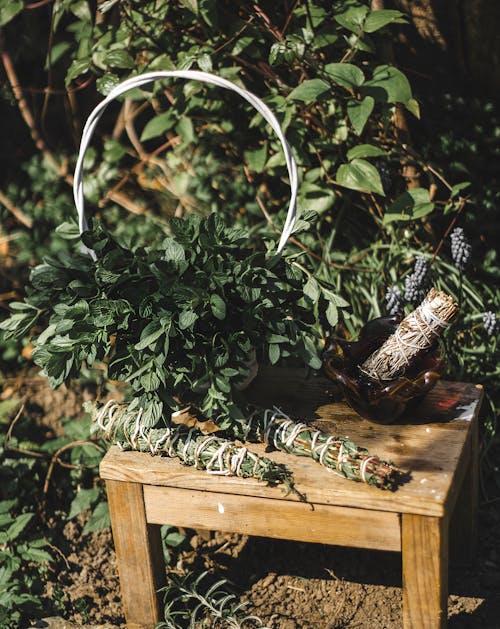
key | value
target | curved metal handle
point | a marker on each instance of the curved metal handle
(204, 77)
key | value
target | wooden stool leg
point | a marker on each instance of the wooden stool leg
(463, 524)
(425, 571)
(139, 554)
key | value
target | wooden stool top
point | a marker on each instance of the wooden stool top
(433, 443)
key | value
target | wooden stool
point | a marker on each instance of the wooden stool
(437, 443)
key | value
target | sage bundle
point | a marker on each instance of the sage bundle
(417, 333)
(216, 455)
(222, 456)
(338, 454)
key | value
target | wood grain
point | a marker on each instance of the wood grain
(424, 542)
(139, 554)
(428, 443)
(266, 517)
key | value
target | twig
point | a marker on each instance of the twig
(37, 5)
(234, 37)
(60, 553)
(26, 112)
(15, 211)
(8, 436)
(55, 459)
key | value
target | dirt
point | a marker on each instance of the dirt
(290, 585)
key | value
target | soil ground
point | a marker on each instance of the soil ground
(290, 585)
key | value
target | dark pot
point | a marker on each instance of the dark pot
(381, 401)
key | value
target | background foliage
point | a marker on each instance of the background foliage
(388, 171)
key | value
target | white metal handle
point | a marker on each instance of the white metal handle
(204, 77)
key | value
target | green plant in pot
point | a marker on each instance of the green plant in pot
(182, 323)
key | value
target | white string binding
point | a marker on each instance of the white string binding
(428, 314)
(364, 465)
(203, 77)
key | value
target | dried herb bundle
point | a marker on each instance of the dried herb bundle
(339, 454)
(122, 426)
(217, 455)
(416, 334)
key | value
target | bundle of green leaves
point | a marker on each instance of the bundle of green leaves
(184, 317)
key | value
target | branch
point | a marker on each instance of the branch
(15, 211)
(26, 112)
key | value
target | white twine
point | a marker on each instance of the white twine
(108, 409)
(171, 451)
(314, 439)
(364, 465)
(428, 314)
(237, 460)
(185, 449)
(341, 458)
(298, 428)
(203, 77)
(137, 428)
(218, 457)
(159, 442)
(324, 449)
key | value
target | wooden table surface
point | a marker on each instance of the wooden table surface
(432, 444)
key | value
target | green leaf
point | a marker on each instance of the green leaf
(76, 69)
(186, 319)
(274, 353)
(7, 408)
(345, 74)
(107, 82)
(185, 129)
(308, 91)
(376, 20)
(99, 519)
(81, 10)
(191, 5)
(36, 554)
(388, 85)
(18, 526)
(256, 159)
(107, 5)
(58, 51)
(353, 19)
(173, 251)
(310, 353)
(413, 107)
(340, 302)
(358, 112)
(360, 175)
(9, 9)
(150, 334)
(205, 62)
(332, 314)
(217, 306)
(83, 501)
(312, 290)
(157, 126)
(458, 187)
(172, 536)
(364, 150)
(413, 204)
(68, 231)
(119, 59)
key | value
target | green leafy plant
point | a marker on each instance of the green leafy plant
(189, 603)
(186, 316)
